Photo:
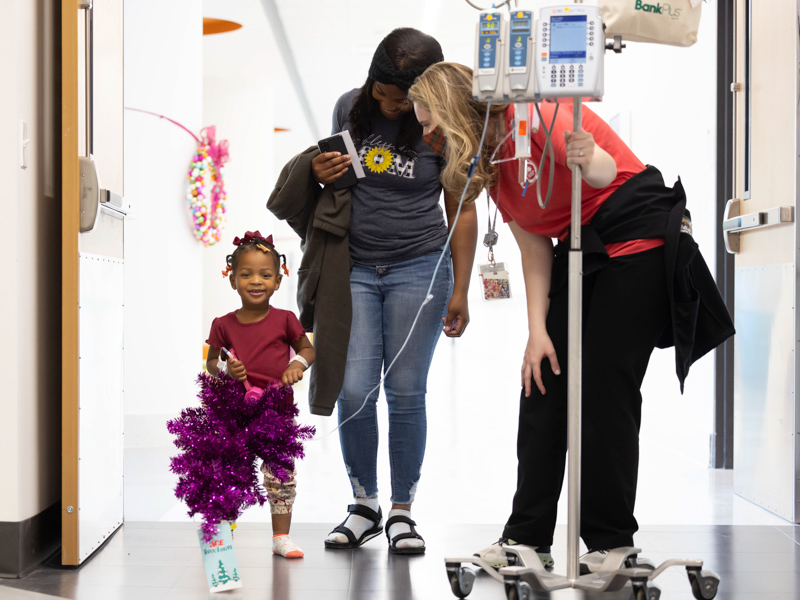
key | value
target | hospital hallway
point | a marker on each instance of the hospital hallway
(685, 510)
(142, 144)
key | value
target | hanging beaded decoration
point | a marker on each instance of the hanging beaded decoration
(207, 208)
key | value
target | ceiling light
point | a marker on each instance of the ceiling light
(212, 26)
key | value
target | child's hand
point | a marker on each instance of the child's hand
(236, 369)
(293, 373)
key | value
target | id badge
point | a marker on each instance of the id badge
(494, 282)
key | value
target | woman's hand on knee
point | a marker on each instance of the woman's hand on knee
(539, 347)
(329, 166)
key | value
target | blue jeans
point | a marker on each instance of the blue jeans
(385, 302)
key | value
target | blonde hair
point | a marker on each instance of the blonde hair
(445, 90)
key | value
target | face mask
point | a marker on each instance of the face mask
(436, 140)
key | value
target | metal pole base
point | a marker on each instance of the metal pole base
(528, 575)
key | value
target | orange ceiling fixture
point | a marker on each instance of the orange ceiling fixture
(212, 26)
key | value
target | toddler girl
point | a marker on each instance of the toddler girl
(259, 336)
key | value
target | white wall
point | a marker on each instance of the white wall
(242, 111)
(163, 261)
(30, 467)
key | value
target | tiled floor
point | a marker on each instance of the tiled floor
(158, 561)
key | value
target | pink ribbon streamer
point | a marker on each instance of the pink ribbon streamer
(218, 151)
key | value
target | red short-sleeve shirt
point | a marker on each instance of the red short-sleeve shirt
(554, 221)
(262, 346)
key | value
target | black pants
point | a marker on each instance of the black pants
(625, 309)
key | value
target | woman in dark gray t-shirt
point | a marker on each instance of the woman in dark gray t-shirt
(397, 236)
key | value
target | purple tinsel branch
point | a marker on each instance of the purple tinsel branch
(221, 442)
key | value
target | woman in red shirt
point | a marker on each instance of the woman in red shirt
(627, 213)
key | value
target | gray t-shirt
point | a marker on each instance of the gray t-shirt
(396, 214)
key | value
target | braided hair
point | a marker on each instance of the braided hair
(253, 242)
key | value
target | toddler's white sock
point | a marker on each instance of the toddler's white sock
(283, 545)
(398, 528)
(356, 523)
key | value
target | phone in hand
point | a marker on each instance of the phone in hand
(342, 142)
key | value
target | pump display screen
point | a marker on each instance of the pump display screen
(490, 28)
(520, 24)
(567, 39)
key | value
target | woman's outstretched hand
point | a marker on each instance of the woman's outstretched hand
(329, 166)
(539, 347)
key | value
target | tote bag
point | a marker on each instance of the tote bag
(674, 22)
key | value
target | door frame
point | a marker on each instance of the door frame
(722, 435)
(70, 282)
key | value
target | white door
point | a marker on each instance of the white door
(92, 288)
(766, 170)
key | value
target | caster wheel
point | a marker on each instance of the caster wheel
(704, 583)
(642, 590)
(461, 579)
(518, 590)
(634, 562)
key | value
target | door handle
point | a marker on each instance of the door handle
(90, 193)
(734, 223)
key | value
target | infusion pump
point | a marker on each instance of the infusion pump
(487, 78)
(522, 58)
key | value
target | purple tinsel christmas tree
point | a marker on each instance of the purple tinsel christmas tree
(221, 443)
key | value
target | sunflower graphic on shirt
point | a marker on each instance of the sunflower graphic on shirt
(379, 159)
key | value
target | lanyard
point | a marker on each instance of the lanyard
(490, 239)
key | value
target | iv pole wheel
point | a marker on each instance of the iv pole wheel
(704, 583)
(461, 579)
(518, 590)
(634, 562)
(644, 590)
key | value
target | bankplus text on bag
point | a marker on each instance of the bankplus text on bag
(674, 22)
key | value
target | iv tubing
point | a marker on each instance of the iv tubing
(548, 147)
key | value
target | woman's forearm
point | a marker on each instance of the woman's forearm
(537, 260)
(463, 242)
(601, 170)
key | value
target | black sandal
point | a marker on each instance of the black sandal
(353, 542)
(403, 536)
